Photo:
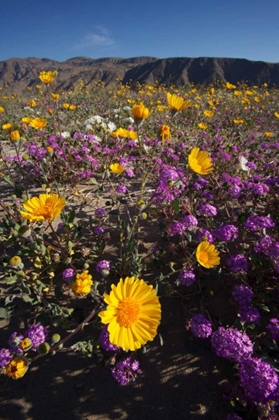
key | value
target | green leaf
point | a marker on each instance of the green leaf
(4, 314)
(175, 204)
(71, 216)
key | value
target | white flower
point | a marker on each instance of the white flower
(65, 134)
(111, 126)
(95, 119)
(242, 163)
(128, 120)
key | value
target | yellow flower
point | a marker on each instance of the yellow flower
(2, 110)
(230, 86)
(47, 77)
(32, 103)
(133, 313)
(17, 368)
(203, 126)
(38, 123)
(238, 121)
(208, 113)
(132, 135)
(66, 105)
(26, 344)
(207, 255)
(14, 135)
(55, 96)
(26, 120)
(140, 112)
(237, 93)
(275, 113)
(82, 284)
(164, 132)
(72, 107)
(268, 134)
(15, 261)
(200, 162)
(177, 103)
(116, 168)
(49, 149)
(7, 126)
(44, 207)
(120, 132)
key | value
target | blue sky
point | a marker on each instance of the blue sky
(62, 29)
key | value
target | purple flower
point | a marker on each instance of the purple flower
(242, 294)
(177, 228)
(189, 221)
(255, 222)
(273, 328)
(98, 230)
(68, 274)
(259, 380)
(263, 244)
(167, 175)
(102, 265)
(121, 189)
(273, 251)
(5, 357)
(126, 371)
(100, 212)
(129, 172)
(235, 191)
(200, 326)
(203, 233)
(226, 232)
(37, 334)
(237, 263)
(186, 277)
(249, 314)
(207, 210)
(231, 344)
(104, 340)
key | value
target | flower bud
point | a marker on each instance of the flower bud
(44, 348)
(55, 338)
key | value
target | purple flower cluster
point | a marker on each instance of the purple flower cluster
(226, 232)
(37, 334)
(273, 328)
(204, 233)
(177, 228)
(207, 210)
(68, 274)
(5, 357)
(103, 265)
(237, 263)
(200, 326)
(259, 380)
(104, 340)
(100, 212)
(186, 277)
(243, 296)
(126, 371)
(190, 221)
(231, 344)
(254, 222)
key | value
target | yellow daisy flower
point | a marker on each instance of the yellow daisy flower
(200, 162)
(82, 284)
(15, 135)
(140, 112)
(133, 313)
(177, 103)
(44, 207)
(207, 255)
(116, 168)
(164, 132)
(47, 77)
(17, 368)
(38, 123)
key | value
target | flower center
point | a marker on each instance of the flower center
(45, 210)
(203, 256)
(127, 312)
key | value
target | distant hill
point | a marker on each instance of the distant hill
(19, 73)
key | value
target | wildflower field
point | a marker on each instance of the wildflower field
(120, 205)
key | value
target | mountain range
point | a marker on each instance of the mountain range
(20, 73)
